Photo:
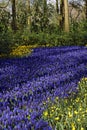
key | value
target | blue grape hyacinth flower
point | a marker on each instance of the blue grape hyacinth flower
(42, 125)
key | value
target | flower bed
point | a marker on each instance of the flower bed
(26, 83)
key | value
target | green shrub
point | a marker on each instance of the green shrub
(6, 41)
(53, 39)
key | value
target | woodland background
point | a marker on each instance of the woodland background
(42, 22)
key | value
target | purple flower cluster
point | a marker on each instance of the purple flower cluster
(25, 83)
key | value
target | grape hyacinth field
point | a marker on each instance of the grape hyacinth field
(32, 87)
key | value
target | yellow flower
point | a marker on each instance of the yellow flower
(73, 126)
(76, 112)
(56, 118)
(78, 120)
(69, 114)
(77, 100)
(53, 107)
(56, 98)
(52, 110)
(44, 103)
(21, 51)
(79, 82)
(48, 98)
(80, 109)
(85, 79)
(82, 128)
(83, 115)
(45, 113)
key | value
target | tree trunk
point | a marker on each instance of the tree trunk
(28, 15)
(86, 9)
(45, 19)
(57, 7)
(66, 16)
(14, 27)
(62, 14)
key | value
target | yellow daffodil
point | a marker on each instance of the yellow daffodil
(56, 118)
(21, 51)
(69, 114)
(76, 112)
(45, 113)
(73, 126)
(52, 110)
(78, 120)
(77, 100)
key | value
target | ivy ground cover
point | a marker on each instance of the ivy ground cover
(27, 84)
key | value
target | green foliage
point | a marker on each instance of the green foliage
(78, 32)
(5, 33)
(53, 36)
(53, 39)
(6, 41)
(45, 28)
(21, 15)
(4, 18)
